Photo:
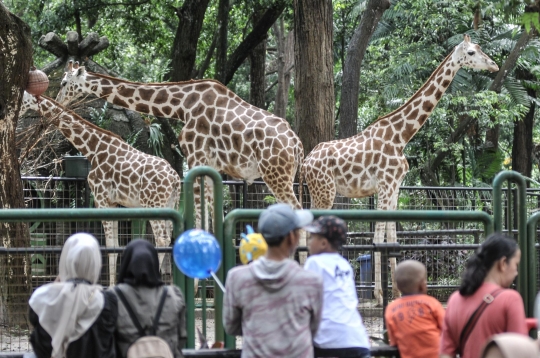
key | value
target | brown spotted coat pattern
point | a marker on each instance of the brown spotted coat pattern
(120, 174)
(372, 162)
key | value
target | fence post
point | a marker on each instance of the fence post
(189, 217)
(532, 225)
(524, 282)
(387, 251)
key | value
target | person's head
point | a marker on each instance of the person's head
(497, 257)
(510, 345)
(279, 224)
(327, 234)
(80, 259)
(411, 277)
(140, 265)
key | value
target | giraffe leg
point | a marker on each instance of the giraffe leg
(163, 239)
(111, 240)
(384, 202)
(377, 239)
(392, 238)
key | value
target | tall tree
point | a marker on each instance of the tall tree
(15, 61)
(257, 71)
(348, 125)
(184, 53)
(285, 64)
(314, 81)
(522, 145)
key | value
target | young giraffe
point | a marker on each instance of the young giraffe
(372, 162)
(221, 130)
(120, 174)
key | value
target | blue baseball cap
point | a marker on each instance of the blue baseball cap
(279, 219)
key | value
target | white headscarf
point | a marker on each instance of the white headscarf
(67, 309)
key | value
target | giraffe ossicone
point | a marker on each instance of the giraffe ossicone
(120, 174)
(372, 162)
(220, 129)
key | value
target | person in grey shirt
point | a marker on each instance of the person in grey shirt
(273, 303)
(140, 282)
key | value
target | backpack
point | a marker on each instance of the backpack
(147, 346)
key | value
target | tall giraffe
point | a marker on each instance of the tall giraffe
(221, 130)
(120, 174)
(372, 162)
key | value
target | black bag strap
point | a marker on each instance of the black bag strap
(160, 308)
(130, 311)
(467, 329)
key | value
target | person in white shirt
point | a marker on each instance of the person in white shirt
(341, 332)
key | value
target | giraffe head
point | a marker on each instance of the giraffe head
(468, 54)
(29, 102)
(72, 83)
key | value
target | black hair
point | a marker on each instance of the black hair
(492, 250)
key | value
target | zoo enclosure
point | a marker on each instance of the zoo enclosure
(438, 244)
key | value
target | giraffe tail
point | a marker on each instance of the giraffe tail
(301, 182)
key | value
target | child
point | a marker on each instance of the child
(415, 320)
(272, 302)
(341, 332)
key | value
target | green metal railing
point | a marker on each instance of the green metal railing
(532, 225)
(240, 215)
(528, 255)
(189, 211)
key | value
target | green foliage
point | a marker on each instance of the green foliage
(99, 116)
(270, 199)
(155, 138)
(132, 138)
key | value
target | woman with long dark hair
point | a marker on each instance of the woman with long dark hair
(140, 285)
(484, 306)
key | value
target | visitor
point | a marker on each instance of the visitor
(73, 317)
(140, 283)
(484, 306)
(341, 332)
(272, 302)
(415, 320)
(510, 345)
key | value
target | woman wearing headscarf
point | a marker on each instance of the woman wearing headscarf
(140, 282)
(73, 317)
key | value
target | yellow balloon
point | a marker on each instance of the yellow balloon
(252, 246)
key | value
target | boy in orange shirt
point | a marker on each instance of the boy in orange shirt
(414, 321)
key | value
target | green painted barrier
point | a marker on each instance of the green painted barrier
(189, 216)
(239, 215)
(528, 257)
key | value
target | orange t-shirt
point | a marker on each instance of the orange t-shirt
(414, 325)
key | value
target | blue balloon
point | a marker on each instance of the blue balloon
(197, 253)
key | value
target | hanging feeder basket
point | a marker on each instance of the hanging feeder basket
(37, 82)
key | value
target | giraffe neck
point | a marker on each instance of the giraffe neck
(178, 100)
(86, 137)
(407, 120)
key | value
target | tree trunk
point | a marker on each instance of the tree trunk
(15, 61)
(285, 64)
(348, 120)
(314, 81)
(191, 16)
(522, 146)
(257, 71)
(254, 38)
(223, 28)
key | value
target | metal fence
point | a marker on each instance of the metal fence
(443, 246)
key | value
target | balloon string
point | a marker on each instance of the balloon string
(217, 281)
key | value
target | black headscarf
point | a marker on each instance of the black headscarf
(140, 265)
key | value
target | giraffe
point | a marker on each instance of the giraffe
(120, 174)
(220, 129)
(372, 162)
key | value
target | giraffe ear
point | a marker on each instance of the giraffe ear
(80, 71)
(466, 38)
(76, 66)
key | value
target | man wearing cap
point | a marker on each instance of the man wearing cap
(272, 302)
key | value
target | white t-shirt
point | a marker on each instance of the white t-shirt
(341, 325)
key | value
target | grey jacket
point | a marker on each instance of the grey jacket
(144, 302)
(276, 307)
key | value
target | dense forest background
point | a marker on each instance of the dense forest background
(483, 124)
